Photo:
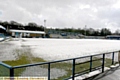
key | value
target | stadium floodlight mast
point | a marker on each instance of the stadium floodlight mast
(44, 27)
(85, 29)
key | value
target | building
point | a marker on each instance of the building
(26, 33)
(116, 37)
(2, 31)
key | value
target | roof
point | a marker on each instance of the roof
(113, 36)
(2, 27)
(26, 31)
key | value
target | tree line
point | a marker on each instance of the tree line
(35, 27)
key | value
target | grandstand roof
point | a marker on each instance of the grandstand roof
(2, 27)
(26, 31)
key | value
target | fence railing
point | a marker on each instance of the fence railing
(75, 66)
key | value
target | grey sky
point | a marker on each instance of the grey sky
(63, 13)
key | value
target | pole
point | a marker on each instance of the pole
(112, 58)
(11, 73)
(90, 63)
(85, 29)
(73, 70)
(44, 27)
(103, 63)
(119, 57)
(49, 71)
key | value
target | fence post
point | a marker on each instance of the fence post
(103, 63)
(112, 58)
(11, 73)
(73, 70)
(90, 63)
(119, 57)
(48, 71)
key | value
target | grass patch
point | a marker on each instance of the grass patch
(36, 59)
(4, 72)
(23, 56)
(21, 61)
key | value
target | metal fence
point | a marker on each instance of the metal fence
(62, 69)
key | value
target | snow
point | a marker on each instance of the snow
(1, 39)
(38, 71)
(106, 68)
(114, 66)
(93, 73)
(78, 78)
(112, 75)
(7, 50)
(57, 49)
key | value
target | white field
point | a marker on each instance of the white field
(57, 49)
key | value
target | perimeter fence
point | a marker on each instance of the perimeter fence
(62, 69)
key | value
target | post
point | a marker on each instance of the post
(85, 29)
(48, 71)
(73, 70)
(44, 27)
(103, 63)
(90, 63)
(119, 57)
(113, 58)
(11, 73)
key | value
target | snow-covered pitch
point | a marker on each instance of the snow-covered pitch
(57, 49)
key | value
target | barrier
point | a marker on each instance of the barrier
(75, 66)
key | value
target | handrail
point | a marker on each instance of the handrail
(5, 65)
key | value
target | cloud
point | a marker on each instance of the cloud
(63, 13)
(0, 13)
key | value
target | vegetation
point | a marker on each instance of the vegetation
(23, 56)
(35, 27)
(4, 71)
(21, 61)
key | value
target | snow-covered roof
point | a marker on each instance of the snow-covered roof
(26, 31)
(2, 27)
